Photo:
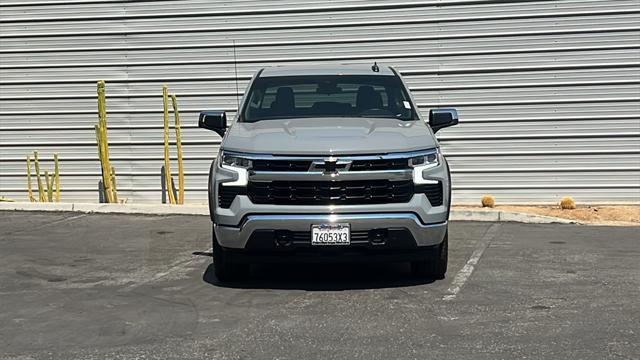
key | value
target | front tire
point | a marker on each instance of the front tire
(435, 265)
(224, 269)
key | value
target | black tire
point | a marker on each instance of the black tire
(435, 265)
(225, 270)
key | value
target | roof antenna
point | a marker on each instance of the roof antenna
(375, 67)
(235, 67)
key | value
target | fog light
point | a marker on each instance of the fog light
(283, 238)
(378, 236)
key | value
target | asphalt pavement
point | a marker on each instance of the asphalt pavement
(82, 286)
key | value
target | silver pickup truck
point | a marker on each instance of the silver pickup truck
(329, 164)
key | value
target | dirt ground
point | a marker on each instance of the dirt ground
(611, 215)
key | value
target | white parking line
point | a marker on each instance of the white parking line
(463, 275)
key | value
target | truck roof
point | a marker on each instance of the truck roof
(302, 70)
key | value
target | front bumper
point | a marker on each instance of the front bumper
(424, 223)
(423, 235)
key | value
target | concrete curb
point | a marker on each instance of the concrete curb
(504, 216)
(147, 209)
(164, 209)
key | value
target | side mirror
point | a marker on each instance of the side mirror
(442, 118)
(213, 120)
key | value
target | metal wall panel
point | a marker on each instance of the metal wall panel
(548, 91)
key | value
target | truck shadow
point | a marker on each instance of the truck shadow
(323, 277)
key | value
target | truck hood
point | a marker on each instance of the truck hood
(328, 136)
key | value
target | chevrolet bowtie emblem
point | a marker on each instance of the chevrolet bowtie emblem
(330, 167)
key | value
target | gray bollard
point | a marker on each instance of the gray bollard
(101, 197)
(163, 185)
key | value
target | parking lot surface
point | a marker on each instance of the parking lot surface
(127, 287)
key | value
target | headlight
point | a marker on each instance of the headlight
(234, 160)
(422, 162)
(426, 160)
(237, 164)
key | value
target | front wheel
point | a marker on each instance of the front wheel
(435, 265)
(224, 269)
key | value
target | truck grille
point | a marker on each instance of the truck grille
(226, 194)
(305, 165)
(379, 164)
(433, 192)
(281, 165)
(330, 192)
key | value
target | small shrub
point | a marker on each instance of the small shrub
(488, 201)
(567, 203)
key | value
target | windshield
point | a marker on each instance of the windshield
(378, 96)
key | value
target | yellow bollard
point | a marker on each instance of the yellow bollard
(100, 157)
(102, 124)
(49, 181)
(29, 188)
(103, 143)
(102, 110)
(176, 114)
(41, 194)
(99, 142)
(167, 168)
(56, 176)
(113, 185)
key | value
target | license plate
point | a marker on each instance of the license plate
(330, 234)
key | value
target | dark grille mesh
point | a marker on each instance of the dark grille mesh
(305, 165)
(226, 194)
(281, 165)
(330, 192)
(433, 192)
(379, 164)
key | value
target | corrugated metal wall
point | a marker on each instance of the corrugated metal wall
(548, 91)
